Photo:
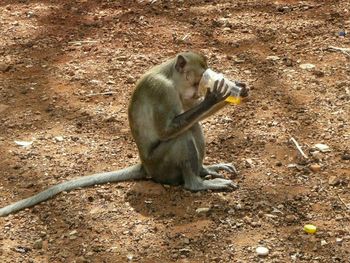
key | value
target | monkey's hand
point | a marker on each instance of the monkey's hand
(219, 93)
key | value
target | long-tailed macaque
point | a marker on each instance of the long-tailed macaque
(164, 114)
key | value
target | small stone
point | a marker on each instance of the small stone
(262, 251)
(307, 66)
(323, 242)
(24, 143)
(333, 180)
(290, 218)
(38, 244)
(315, 168)
(279, 164)
(202, 210)
(4, 67)
(59, 138)
(74, 232)
(338, 240)
(283, 9)
(186, 241)
(345, 156)
(273, 58)
(322, 147)
(81, 260)
(249, 163)
(318, 73)
(111, 82)
(288, 62)
(130, 80)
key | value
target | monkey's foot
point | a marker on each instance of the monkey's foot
(219, 183)
(213, 170)
(214, 184)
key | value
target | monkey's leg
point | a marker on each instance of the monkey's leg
(191, 173)
(194, 182)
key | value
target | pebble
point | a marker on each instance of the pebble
(202, 210)
(333, 180)
(74, 232)
(262, 251)
(338, 240)
(315, 168)
(24, 143)
(273, 58)
(322, 147)
(307, 66)
(38, 244)
(59, 138)
(81, 260)
(345, 156)
(4, 67)
(323, 242)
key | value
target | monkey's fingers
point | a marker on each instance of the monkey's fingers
(215, 84)
(227, 91)
(241, 84)
(221, 86)
(208, 92)
(219, 183)
(228, 167)
(213, 175)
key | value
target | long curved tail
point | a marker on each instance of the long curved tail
(130, 173)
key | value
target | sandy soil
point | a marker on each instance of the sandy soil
(55, 54)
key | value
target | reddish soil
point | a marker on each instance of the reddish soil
(54, 54)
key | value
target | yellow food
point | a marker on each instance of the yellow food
(311, 229)
(233, 100)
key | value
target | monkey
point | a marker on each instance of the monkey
(164, 114)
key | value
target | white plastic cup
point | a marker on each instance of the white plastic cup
(238, 90)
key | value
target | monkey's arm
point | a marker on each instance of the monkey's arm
(214, 109)
(173, 127)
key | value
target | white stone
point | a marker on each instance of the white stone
(202, 210)
(273, 58)
(262, 251)
(59, 138)
(24, 143)
(307, 66)
(322, 147)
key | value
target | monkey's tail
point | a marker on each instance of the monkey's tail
(130, 173)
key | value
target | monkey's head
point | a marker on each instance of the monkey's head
(189, 68)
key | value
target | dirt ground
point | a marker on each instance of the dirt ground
(56, 56)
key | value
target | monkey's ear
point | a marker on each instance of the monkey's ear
(180, 63)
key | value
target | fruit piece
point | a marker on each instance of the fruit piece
(311, 229)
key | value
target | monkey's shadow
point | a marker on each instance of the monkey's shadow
(163, 202)
(174, 212)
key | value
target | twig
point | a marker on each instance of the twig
(299, 148)
(345, 51)
(82, 42)
(102, 93)
(185, 37)
(341, 200)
